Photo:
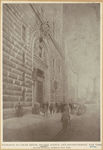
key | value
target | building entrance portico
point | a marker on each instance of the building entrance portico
(40, 63)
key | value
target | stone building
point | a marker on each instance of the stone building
(82, 33)
(33, 55)
(71, 77)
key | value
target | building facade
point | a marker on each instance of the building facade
(33, 56)
(71, 77)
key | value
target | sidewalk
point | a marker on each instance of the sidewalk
(32, 128)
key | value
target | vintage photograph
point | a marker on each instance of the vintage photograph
(51, 63)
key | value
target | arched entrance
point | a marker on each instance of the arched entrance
(40, 61)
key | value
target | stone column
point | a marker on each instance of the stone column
(34, 93)
(47, 74)
(34, 88)
(44, 88)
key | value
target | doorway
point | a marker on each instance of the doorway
(40, 92)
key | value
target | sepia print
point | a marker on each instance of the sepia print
(51, 63)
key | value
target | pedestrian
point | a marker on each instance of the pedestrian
(75, 108)
(42, 107)
(70, 105)
(62, 107)
(79, 110)
(47, 104)
(64, 104)
(19, 109)
(45, 110)
(65, 117)
(51, 108)
(54, 108)
(72, 108)
(67, 108)
(58, 107)
(55, 105)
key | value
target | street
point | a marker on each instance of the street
(83, 128)
(39, 128)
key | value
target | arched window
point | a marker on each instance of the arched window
(53, 63)
(36, 47)
(23, 33)
(40, 51)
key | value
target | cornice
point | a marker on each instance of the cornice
(56, 45)
(40, 61)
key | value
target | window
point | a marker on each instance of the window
(40, 52)
(42, 12)
(59, 69)
(53, 28)
(53, 63)
(44, 55)
(24, 58)
(23, 33)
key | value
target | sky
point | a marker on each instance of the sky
(81, 28)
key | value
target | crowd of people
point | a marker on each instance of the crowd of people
(66, 109)
(57, 107)
(49, 109)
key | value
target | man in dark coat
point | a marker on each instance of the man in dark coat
(19, 110)
(45, 110)
(51, 108)
(65, 118)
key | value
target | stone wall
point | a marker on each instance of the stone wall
(20, 22)
(17, 64)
